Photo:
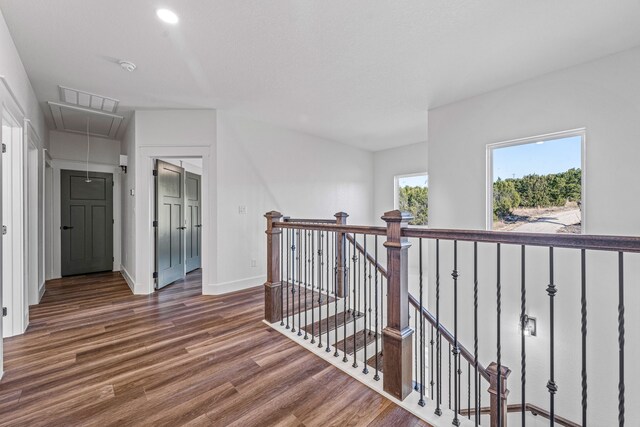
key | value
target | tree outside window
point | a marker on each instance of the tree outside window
(413, 197)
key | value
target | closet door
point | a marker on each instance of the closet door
(170, 229)
(194, 220)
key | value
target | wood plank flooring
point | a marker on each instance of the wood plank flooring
(95, 354)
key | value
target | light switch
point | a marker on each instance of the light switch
(242, 210)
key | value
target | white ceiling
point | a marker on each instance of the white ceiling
(362, 72)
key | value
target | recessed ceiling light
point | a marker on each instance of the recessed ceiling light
(167, 16)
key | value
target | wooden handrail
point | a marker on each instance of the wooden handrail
(309, 220)
(444, 332)
(571, 241)
(370, 258)
(517, 407)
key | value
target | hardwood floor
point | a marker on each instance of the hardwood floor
(95, 354)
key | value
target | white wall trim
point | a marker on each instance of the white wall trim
(127, 278)
(41, 292)
(233, 286)
(58, 165)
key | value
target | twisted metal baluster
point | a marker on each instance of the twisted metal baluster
(336, 242)
(421, 402)
(306, 282)
(621, 339)
(468, 390)
(365, 370)
(281, 278)
(375, 242)
(456, 349)
(320, 286)
(475, 333)
(311, 264)
(523, 354)
(415, 348)
(431, 382)
(346, 296)
(551, 385)
(583, 318)
(449, 353)
(328, 250)
(356, 302)
(288, 273)
(293, 281)
(438, 411)
(499, 345)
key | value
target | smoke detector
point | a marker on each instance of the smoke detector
(128, 66)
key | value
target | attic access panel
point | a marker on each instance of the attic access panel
(71, 118)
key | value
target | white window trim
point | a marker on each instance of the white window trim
(581, 132)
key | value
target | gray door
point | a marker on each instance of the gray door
(170, 228)
(87, 222)
(194, 221)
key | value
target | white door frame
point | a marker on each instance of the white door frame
(13, 166)
(59, 165)
(144, 208)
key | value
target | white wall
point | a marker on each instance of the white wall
(73, 146)
(16, 91)
(128, 148)
(603, 97)
(264, 168)
(390, 163)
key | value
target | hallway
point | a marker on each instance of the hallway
(95, 354)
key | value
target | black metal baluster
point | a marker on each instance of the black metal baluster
(431, 382)
(438, 411)
(336, 242)
(551, 385)
(365, 370)
(583, 316)
(281, 278)
(375, 287)
(320, 287)
(498, 343)
(293, 281)
(306, 282)
(346, 296)
(420, 272)
(330, 249)
(288, 273)
(475, 334)
(621, 339)
(449, 353)
(312, 263)
(456, 349)
(523, 354)
(468, 390)
(356, 302)
(415, 348)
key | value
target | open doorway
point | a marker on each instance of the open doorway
(178, 221)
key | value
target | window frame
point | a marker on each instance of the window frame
(581, 132)
(396, 189)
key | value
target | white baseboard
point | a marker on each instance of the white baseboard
(128, 279)
(235, 285)
(41, 292)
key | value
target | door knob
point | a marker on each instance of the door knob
(198, 226)
(67, 227)
(182, 228)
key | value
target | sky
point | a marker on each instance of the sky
(413, 181)
(552, 156)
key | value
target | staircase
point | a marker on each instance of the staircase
(328, 289)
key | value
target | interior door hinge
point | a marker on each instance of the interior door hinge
(4, 230)
(4, 311)
(155, 224)
(155, 274)
(155, 172)
(4, 147)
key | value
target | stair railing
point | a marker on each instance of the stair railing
(330, 258)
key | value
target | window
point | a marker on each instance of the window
(412, 195)
(536, 184)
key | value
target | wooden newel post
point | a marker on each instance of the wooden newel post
(397, 342)
(273, 285)
(498, 413)
(341, 219)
